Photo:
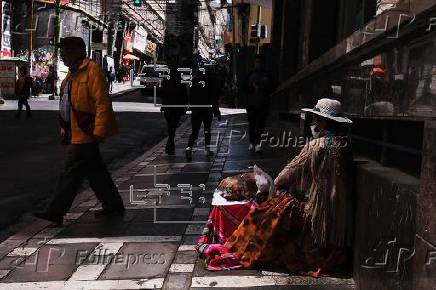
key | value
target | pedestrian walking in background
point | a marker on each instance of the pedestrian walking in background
(86, 118)
(110, 79)
(174, 102)
(203, 101)
(23, 90)
(258, 89)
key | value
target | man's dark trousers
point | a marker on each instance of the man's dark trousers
(172, 116)
(256, 116)
(84, 161)
(198, 117)
(22, 101)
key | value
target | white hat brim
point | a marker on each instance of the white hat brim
(337, 119)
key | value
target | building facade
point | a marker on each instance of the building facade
(209, 32)
(102, 24)
(376, 57)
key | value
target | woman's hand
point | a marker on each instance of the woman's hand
(278, 182)
(62, 133)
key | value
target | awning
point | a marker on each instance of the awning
(13, 59)
(130, 57)
(378, 70)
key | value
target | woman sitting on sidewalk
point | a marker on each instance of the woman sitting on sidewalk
(305, 226)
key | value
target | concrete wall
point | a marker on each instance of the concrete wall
(425, 238)
(395, 241)
(385, 203)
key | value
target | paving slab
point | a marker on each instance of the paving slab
(50, 263)
(9, 245)
(176, 281)
(142, 260)
(90, 218)
(287, 287)
(155, 229)
(106, 229)
(30, 230)
(190, 239)
(186, 257)
(229, 281)
(194, 229)
(201, 211)
(201, 271)
(9, 263)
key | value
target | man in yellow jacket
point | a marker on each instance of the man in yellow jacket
(86, 118)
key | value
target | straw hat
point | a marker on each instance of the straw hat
(328, 108)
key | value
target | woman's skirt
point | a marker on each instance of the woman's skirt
(272, 234)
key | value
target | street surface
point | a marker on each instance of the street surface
(153, 245)
(31, 156)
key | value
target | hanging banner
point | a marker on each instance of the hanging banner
(140, 39)
(127, 44)
(5, 44)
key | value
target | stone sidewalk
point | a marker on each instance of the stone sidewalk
(152, 245)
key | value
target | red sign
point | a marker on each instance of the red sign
(5, 53)
(6, 68)
(128, 44)
(7, 77)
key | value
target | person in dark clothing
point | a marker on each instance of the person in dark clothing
(110, 79)
(24, 90)
(174, 102)
(203, 102)
(87, 118)
(258, 90)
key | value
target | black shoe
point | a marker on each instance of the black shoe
(109, 212)
(170, 149)
(208, 152)
(58, 220)
(188, 154)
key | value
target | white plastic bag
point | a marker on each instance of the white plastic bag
(264, 181)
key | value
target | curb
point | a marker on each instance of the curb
(122, 93)
(22, 235)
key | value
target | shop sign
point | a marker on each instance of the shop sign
(140, 39)
(7, 78)
(150, 48)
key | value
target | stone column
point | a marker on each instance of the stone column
(424, 276)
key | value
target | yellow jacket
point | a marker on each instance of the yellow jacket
(92, 116)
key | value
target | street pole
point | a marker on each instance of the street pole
(259, 11)
(235, 77)
(31, 37)
(56, 50)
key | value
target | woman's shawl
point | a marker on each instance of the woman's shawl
(322, 170)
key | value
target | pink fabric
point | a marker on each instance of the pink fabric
(222, 222)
